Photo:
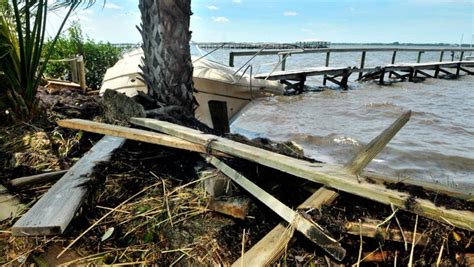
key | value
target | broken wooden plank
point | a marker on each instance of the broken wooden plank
(132, 134)
(236, 207)
(363, 158)
(55, 210)
(370, 229)
(37, 179)
(266, 251)
(311, 230)
(9, 205)
(331, 175)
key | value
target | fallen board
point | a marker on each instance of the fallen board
(272, 245)
(132, 134)
(331, 175)
(55, 210)
(9, 205)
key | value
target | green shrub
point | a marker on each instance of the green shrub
(98, 56)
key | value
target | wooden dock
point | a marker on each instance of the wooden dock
(409, 71)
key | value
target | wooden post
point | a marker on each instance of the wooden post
(382, 74)
(283, 63)
(418, 59)
(328, 54)
(362, 63)
(441, 55)
(219, 117)
(436, 73)
(461, 56)
(458, 68)
(394, 55)
(82, 73)
(231, 59)
(74, 72)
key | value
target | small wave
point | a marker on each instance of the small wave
(383, 105)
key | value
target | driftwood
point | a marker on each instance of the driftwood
(37, 179)
(55, 210)
(311, 230)
(331, 175)
(266, 251)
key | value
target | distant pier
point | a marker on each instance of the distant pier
(245, 45)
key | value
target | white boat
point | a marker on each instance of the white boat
(212, 80)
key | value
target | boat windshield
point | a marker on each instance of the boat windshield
(196, 51)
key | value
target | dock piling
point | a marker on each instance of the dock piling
(362, 63)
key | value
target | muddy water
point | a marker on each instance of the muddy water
(437, 144)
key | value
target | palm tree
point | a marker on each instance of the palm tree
(167, 69)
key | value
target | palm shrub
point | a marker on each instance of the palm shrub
(22, 36)
(98, 56)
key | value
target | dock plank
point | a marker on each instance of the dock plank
(297, 74)
(55, 210)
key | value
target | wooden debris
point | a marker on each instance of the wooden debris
(37, 179)
(55, 210)
(370, 229)
(311, 230)
(363, 158)
(9, 205)
(273, 244)
(232, 206)
(333, 176)
(132, 134)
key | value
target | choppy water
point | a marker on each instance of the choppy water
(437, 144)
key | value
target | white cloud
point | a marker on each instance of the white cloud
(220, 19)
(196, 17)
(109, 5)
(289, 13)
(213, 7)
(237, 1)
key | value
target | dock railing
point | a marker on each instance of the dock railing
(285, 53)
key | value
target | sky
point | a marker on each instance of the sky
(353, 21)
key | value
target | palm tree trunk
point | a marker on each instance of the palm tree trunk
(167, 67)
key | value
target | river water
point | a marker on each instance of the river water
(437, 144)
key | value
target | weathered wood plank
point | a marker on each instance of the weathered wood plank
(9, 205)
(333, 176)
(370, 229)
(37, 179)
(311, 230)
(132, 134)
(266, 251)
(363, 158)
(55, 210)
